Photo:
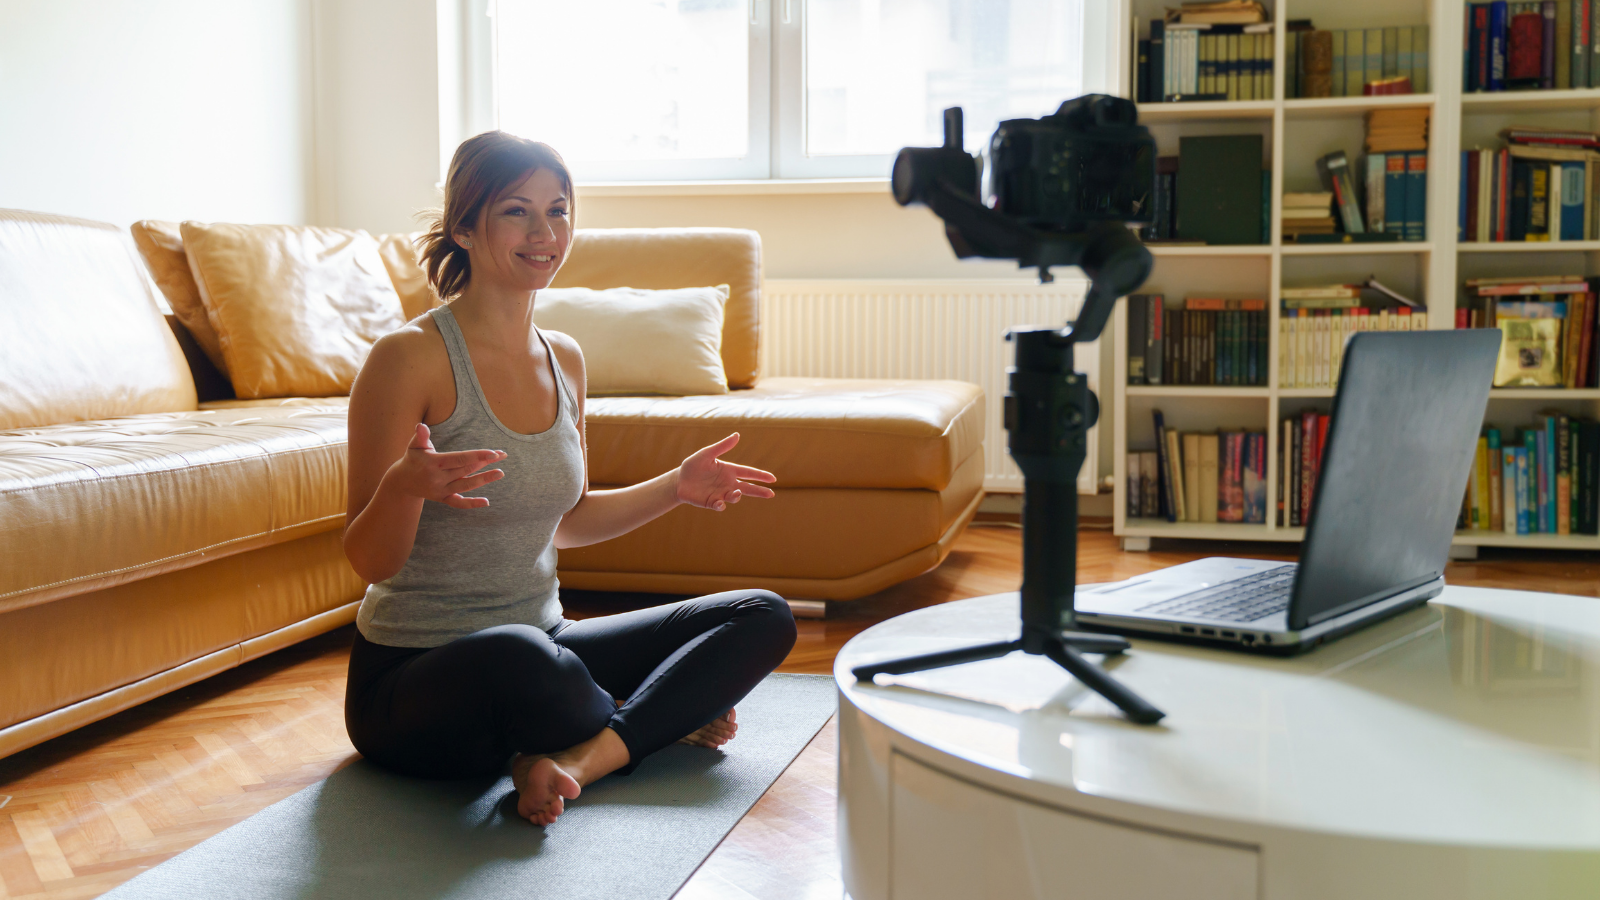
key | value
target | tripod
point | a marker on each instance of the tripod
(1048, 412)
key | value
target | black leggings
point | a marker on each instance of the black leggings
(465, 708)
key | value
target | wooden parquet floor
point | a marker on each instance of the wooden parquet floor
(86, 811)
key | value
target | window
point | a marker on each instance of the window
(747, 89)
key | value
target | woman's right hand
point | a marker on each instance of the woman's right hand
(443, 477)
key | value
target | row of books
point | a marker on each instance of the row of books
(1311, 341)
(1355, 62)
(1300, 462)
(1547, 324)
(1209, 340)
(1391, 201)
(1528, 193)
(1204, 62)
(1200, 477)
(1549, 483)
(1546, 45)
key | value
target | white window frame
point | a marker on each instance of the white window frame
(777, 98)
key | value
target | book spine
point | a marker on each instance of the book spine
(1158, 61)
(1589, 477)
(1163, 502)
(1293, 466)
(1191, 477)
(1563, 469)
(1563, 42)
(1395, 186)
(1549, 463)
(1375, 192)
(1573, 194)
(1419, 59)
(1138, 311)
(1542, 510)
(1291, 64)
(1133, 502)
(1308, 464)
(1154, 339)
(1462, 197)
(1592, 17)
(1497, 45)
(1547, 57)
(1496, 477)
(1391, 53)
(1479, 487)
(1416, 196)
(1524, 514)
(1509, 489)
(1142, 72)
(1373, 69)
(1256, 485)
(1521, 199)
(1337, 75)
(1586, 340)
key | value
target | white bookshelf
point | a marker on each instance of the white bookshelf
(1295, 132)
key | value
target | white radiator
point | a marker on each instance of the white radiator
(921, 329)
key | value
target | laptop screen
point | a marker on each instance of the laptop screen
(1403, 433)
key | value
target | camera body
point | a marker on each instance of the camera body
(1090, 162)
(1060, 190)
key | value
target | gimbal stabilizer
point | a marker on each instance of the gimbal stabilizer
(1048, 412)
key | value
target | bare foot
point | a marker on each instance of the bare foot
(719, 732)
(544, 787)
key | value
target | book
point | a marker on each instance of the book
(1529, 353)
(1563, 476)
(1580, 43)
(1524, 47)
(1547, 45)
(1508, 490)
(1573, 194)
(1219, 195)
(1395, 183)
(1159, 53)
(1496, 479)
(1138, 314)
(1416, 227)
(1255, 478)
(1132, 499)
(1497, 34)
(1208, 475)
(1178, 492)
(1191, 476)
(1375, 192)
(1165, 509)
(1335, 171)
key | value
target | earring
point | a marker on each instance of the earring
(467, 244)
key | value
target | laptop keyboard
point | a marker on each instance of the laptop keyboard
(1241, 600)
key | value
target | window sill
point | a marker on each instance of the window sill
(716, 188)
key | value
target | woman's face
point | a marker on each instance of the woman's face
(522, 237)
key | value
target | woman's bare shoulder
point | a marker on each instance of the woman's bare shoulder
(409, 365)
(568, 355)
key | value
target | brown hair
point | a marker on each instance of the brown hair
(483, 167)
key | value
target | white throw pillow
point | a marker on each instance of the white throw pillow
(642, 342)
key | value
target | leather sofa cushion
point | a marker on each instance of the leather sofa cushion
(810, 432)
(93, 504)
(399, 252)
(638, 341)
(161, 245)
(81, 335)
(679, 258)
(297, 308)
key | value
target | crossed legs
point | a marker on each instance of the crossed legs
(596, 696)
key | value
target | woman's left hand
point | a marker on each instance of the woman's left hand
(711, 483)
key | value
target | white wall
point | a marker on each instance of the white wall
(377, 113)
(170, 109)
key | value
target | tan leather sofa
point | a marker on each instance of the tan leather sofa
(149, 539)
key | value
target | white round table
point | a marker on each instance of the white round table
(1451, 752)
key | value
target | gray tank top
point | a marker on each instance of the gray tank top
(472, 569)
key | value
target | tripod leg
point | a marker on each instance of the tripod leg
(1094, 678)
(938, 660)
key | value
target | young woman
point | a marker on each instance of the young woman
(463, 661)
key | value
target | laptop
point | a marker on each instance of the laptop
(1399, 451)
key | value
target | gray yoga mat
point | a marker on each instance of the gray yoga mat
(364, 833)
